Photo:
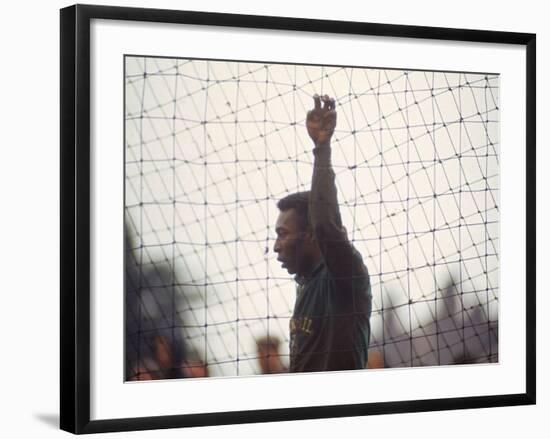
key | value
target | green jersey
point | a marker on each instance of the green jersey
(330, 327)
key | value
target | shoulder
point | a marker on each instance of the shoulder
(360, 266)
(357, 276)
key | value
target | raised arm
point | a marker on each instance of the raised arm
(341, 258)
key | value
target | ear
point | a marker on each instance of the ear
(309, 234)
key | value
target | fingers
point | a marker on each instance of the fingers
(328, 102)
(317, 101)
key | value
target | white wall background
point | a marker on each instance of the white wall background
(29, 170)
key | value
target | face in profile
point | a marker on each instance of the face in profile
(293, 244)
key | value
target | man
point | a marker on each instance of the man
(330, 328)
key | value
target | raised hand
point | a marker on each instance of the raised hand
(321, 121)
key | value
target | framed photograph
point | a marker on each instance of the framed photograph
(275, 218)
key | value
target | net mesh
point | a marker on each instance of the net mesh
(210, 146)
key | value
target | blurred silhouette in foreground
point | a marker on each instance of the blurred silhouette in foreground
(193, 366)
(155, 338)
(376, 360)
(269, 357)
(457, 330)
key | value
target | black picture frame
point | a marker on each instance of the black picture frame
(76, 210)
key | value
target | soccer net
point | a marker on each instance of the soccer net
(210, 146)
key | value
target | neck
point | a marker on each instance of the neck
(308, 273)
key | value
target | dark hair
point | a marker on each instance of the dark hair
(298, 201)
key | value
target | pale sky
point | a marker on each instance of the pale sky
(416, 159)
